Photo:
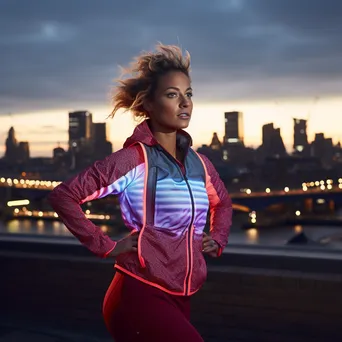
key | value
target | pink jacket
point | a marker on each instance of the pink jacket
(169, 253)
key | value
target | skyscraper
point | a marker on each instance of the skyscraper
(102, 147)
(233, 128)
(80, 129)
(215, 142)
(272, 142)
(23, 151)
(300, 137)
(11, 153)
(80, 139)
(99, 132)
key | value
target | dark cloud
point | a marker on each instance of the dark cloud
(65, 53)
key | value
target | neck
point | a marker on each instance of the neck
(166, 138)
(167, 141)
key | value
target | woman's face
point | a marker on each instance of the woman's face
(171, 106)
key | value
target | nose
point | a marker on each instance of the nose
(185, 102)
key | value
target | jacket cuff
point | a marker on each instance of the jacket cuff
(220, 250)
(108, 252)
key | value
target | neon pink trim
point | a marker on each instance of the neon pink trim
(91, 197)
(149, 282)
(141, 259)
(105, 256)
(212, 194)
(192, 256)
(187, 260)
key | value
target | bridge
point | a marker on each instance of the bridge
(246, 200)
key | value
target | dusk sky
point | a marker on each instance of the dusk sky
(271, 59)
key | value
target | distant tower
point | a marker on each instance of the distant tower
(11, 153)
(233, 128)
(300, 137)
(215, 142)
(80, 138)
(80, 128)
(272, 142)
(102, 147)
(23, 151)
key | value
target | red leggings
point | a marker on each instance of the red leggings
(134, 311)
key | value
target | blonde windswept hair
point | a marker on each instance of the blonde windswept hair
(131, 93)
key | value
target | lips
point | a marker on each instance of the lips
(184, 115)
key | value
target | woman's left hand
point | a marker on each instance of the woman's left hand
(209, 246)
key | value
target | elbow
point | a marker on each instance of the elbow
(52, 197)
(56, 197)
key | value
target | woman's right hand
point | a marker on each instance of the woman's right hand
(125, 245)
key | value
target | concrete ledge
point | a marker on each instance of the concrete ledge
(64, 291)
(297, 258)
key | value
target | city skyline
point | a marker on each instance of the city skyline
(122, 125)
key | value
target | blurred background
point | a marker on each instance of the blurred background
(267, 80)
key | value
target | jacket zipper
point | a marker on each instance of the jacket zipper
(187, 277)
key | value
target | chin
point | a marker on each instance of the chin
(183, 125)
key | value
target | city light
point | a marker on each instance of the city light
(252, 215)
(322, 187)
(248, 191)
(286, 189)
(268, 190)
(329, 187)
(18, 203)
(298, 213)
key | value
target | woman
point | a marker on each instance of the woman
(165, 189)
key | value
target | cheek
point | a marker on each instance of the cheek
(167, 107)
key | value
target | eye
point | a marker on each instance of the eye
(171, 95)
(189, 94)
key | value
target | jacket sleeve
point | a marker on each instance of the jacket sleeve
(105, 177)
(220, 206)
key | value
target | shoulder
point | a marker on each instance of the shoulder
(132, 154)
(210, 168)
(125, 159)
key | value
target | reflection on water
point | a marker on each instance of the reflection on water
(14, 227)
(275, 236)
(252, 235)
(298, 228)
(41, 227)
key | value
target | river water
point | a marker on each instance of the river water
(327, 237)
